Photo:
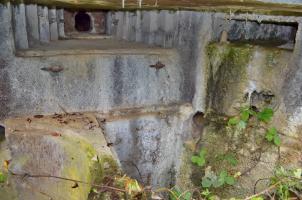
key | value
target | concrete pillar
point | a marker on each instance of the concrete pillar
(169, 27)
(132, 27)
(204, 36)
(32, 24)
(119, 20)
(43, 24)
(6, 34)
(60, 22)
(53, 24)
(293, 85)
(20, 32)
(153, 27)
(126, 24)
(138, 26)
(145, 28)
(109, 23)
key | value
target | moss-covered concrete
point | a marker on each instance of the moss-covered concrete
(235, 71)
(46, 146)
(228, 76)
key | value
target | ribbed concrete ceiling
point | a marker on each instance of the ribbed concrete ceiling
(278, 7)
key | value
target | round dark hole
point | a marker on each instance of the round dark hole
(82, 22)
(199, 118)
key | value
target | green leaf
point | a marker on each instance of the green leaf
(187, 196)
(245, 114)
(277, 140)
(230, 180)
(297, 173)
(265, 115)
(241, 125)
(270, 134)
(201, 162)
(205, 182)
(223, 174)
(195, 159)
(218, 182)
(231, 159)
(206, 192)
(3, 177)
(233, 121)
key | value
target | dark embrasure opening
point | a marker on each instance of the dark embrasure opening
(82, 22)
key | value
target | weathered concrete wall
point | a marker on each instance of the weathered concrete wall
(92, 83)
(187, 31)
(149, 145)
(105, 82)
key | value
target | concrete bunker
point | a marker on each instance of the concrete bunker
(141, 92)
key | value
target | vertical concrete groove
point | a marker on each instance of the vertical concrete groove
(32, 23)
(20, 32)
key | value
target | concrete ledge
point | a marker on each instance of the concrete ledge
(41, 53)
(92, 46)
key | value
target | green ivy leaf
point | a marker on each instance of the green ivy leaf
(195, 159)
(230, 180)
(200, 161)
(206, 182)
(270, 134)
(245, 115)
(241, 125)
(223, 174)
(231, 159)
(265, 115)
(277, 140)
(218, 182)
(233, 121)
(187, 196)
